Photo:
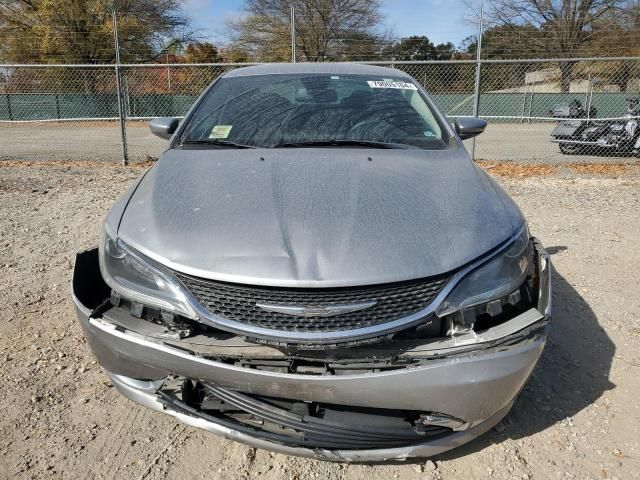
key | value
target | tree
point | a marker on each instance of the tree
(418, 48)
(617, 34)
(201, 52)
(232, 54)
(81, 31)
(323, 27)
(265, 39)
(500, 41)
(560, 28)
(360, 46)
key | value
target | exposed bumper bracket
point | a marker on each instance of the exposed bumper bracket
(182, 413)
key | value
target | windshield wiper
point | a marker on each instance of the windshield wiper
(342, 143)
(216, 142)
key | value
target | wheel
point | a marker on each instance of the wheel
(569, 148)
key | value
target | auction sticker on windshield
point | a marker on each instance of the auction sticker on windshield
(220, 131)
(390, 84)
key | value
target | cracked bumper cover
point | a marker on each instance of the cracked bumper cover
(477, 384)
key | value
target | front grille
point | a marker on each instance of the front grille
(238, 303)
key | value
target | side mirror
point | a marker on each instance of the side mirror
(164, 127)
(469, 127)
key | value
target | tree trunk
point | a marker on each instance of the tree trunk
(566, 74)
(623, 77)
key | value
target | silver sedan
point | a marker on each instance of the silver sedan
(315, 266)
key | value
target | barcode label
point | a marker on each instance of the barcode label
(389, 84)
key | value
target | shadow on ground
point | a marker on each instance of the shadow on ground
(573, 371)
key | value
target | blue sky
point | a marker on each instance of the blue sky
(440, 20)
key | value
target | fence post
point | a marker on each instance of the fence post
(293, 34)
(168, 75)
(58, 105)
(129, 109)
(9, 106)
(589, 98)
(121, 113)
(476, 102)
(8, 97)
(530, 111)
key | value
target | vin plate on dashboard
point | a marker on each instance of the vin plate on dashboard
(389, 84)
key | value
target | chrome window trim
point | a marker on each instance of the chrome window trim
(341, 336)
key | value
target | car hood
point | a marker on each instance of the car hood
(316, 217)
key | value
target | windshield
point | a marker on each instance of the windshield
(314, 110)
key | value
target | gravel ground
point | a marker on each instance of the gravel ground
(100, 141)
(578, 417)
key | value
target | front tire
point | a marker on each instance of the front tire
(569, 149)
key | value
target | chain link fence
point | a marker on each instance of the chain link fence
(538, 110)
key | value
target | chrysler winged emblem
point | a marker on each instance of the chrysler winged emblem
(316, 311)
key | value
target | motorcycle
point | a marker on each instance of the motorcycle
(573, 109)
(576, 132)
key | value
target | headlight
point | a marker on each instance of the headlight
(140, 279)
(497, 278)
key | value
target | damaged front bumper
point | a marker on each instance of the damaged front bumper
(451, 390)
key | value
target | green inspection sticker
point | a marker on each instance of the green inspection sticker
(220, 131)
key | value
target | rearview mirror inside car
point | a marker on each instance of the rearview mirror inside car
(468, 127)
(164, 127)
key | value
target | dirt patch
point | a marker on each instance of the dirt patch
(73, 164)
(599, 168)
(517, 170)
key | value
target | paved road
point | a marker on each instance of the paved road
(101, 141)
(521, 143)
(95, 141)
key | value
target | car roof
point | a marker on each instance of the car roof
(343, 68)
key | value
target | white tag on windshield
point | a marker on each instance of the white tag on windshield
(220, 131)
(391, 84)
